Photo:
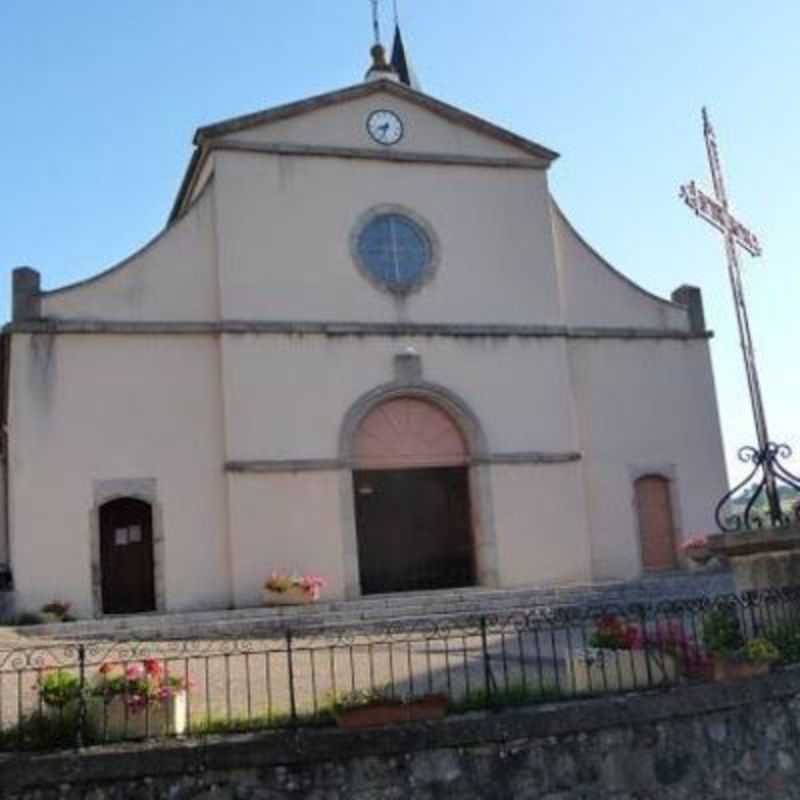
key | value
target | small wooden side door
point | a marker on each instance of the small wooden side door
(126, 556)
(656, 523)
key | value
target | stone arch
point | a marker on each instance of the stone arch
(407, 432)
(473, 455)
(435, 394)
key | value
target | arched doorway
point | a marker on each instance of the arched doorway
(412, 499)
(656, 523)
(126, 556)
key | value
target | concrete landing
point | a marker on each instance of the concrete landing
(378, 609)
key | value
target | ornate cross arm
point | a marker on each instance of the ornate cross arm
(714, 213)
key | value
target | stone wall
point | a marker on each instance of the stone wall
(732, 741)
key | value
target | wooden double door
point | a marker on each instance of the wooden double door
(126, 557)
(414, 529)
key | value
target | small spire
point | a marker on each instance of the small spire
(380, 69)
(400, 62)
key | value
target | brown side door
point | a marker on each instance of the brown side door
(656, 523)
(414, 529)
(126, 556)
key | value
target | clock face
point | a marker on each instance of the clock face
(385, 127)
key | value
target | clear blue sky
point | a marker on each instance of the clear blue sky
(100, 100)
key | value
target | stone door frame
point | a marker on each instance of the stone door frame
(144, 489)
(483, 532)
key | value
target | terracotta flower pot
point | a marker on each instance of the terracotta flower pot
(726, 670)
(430, 707)
(293, 596)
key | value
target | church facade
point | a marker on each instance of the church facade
(367, 345)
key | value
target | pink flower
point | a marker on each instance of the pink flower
(697, 541)
(135, 672)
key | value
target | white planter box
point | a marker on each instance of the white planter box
(600, 670)
(112, 720)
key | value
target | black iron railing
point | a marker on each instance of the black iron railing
(68, 695)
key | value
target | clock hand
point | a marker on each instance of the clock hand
(384, 129)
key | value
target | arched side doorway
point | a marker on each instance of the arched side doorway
(127, 564)
(656, 522)
(413, 511)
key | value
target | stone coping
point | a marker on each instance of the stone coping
(22, 772)
(748, 543)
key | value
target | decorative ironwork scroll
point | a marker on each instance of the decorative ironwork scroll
(767, 462)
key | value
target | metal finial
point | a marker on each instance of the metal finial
(396, 14)
(376, 21)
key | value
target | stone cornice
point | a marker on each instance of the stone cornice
(328, 464)
(365, 153)
(343, 329)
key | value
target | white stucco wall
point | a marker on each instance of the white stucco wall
(284, 240)
(541, 525)
(286, 522)
(645, 407)
(173, 277)
(87, 408)
(286, 396)
(595, 294)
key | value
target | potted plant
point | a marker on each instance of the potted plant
(732, 657)
(283, 589)
(137, 701)
(58, 690)
(57, 611)
(696, 552)
(375, 707)
(618, 658)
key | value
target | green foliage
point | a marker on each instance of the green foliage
(515, 694)
(57, 611)
(786, 639)
(722, 632)
(262, 722)
(58, 689)
(343, 701)
(761, 651)
(44, 731)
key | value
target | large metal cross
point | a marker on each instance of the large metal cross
(715, 210)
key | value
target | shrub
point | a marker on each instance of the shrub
(761, 651)
(786, 639)
(44, 732)
(25, 618)
(722, 632)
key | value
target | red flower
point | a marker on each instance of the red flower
(152, 667)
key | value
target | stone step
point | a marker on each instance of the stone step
(386, 609)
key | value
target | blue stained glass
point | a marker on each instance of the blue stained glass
(395, 250)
